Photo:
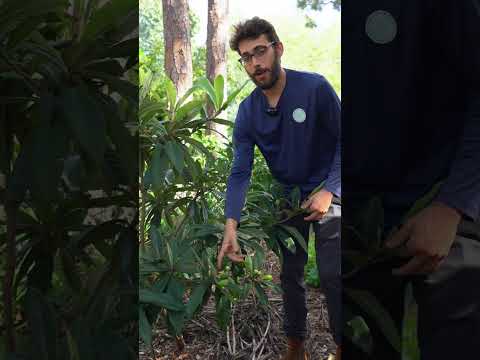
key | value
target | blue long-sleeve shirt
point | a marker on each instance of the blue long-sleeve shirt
(301, 144)
(411, 105)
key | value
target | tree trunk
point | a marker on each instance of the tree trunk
(178, 52)
(217, 30)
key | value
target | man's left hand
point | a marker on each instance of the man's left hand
(428, 237)
(318, 204)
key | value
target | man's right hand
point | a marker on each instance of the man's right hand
(230, 245)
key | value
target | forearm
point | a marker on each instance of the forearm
(231, 224)
(334, 180)
(332, 110)
(239, 179)
(461, 190)
(237, 187)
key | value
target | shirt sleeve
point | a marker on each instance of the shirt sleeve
(461, 189)
(333, 116)
(239, 179)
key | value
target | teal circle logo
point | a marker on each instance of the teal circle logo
(299, 115)
(381, 27)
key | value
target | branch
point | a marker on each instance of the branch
(218, 132)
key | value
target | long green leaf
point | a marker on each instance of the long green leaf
(85, 120)
(24, 30)
(410, 348)
(233, 95)
(223, 312)
(283, 237)
(43, 49)
(156, 241)
(107, 66)
(149, 111)
(21, 174)
(176, 287)
(200, 147)
(145, 329)
(222, 122)
(108, 17)
(175, 153)
(125, 143)
(79, 8)
(42, 325)
(124, 88)
(359, 333)
(13, 13)
(6, 100)
(296, 235)
(72, 346)
(123, 49)
(176, 322)
(375, 309)
(103, 231)
(190, 109)
(163, 300)
(219, 84)
(159, 166)
(90, 8)
(196, 298)
(192, 168)
(295, 197)
(49, 144)
(206, 85)
(262, 296)
(171, 94)
(71, 271)
(187, 95)
(81, 332)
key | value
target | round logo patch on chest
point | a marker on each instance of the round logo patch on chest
(381, 27)
(299, 115)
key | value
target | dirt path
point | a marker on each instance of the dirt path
(258, 334)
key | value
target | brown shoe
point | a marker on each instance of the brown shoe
(295, 350)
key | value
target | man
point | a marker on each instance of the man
(411, 120)
(294, 119)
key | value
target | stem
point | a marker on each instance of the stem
(219, 133)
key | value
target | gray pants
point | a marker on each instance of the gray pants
(328, 258)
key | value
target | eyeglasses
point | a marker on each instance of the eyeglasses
(258, 52)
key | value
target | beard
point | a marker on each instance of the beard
(271, 75)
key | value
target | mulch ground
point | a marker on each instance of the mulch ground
(254, 335)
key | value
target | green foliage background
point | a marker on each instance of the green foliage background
(68, 190)
(183, 180)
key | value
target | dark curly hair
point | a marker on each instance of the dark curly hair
(251, 29)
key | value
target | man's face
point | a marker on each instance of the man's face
(263, 69)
